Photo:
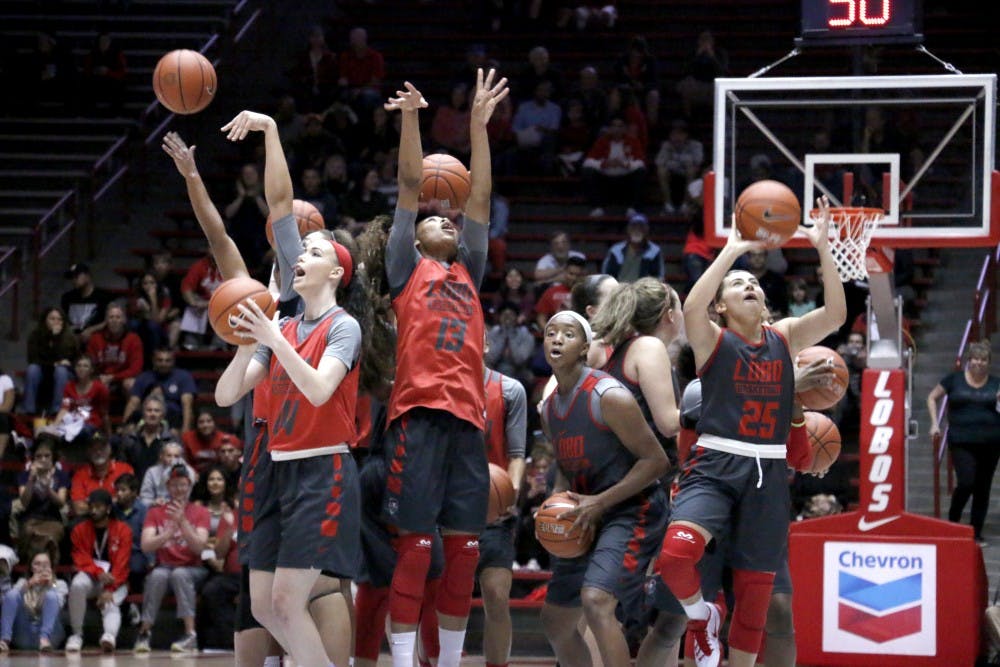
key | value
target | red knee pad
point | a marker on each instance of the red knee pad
(370, 608)
(413, 560)
(752, 591)
(429, 621)
(682, 548)
(461, 556)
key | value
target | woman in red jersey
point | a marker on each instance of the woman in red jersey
(437, 462)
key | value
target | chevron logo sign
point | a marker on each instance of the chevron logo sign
(879, 598)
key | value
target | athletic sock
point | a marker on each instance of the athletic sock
(698, 610)
(402, 645)
(272, 661)
(452, 643)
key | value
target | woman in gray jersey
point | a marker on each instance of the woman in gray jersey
(737, 467)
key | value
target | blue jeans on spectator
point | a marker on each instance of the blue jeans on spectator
(17, 624)
(61, 375)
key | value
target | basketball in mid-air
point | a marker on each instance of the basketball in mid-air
(768, 211)
(225, 299)
(555, 534)
(184, 81)
(502, 494)
(823, 398)
(306, 215)
(445, 181)
(824, 440)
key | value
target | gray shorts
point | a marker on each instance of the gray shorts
(718, 491)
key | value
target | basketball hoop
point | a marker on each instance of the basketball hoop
(851, 229)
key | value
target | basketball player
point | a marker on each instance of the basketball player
(637, 323)
(306, 519)
(437, 470)
(506, 435)
(611, 462)
(737, 467)
(254, 645)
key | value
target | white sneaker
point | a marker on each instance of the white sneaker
(707, 650)
(74, 644)
(597, 212)
(515, 566)
(533, 565)
(108, 642)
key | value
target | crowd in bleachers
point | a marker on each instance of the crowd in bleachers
(107, 435)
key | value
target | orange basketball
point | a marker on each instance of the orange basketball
(230, 294)
(184, 81)
(822, 398)
(306, 215)
(824, 439)
(768, 211)
(502, 494)
(556, 535)
(445, 180)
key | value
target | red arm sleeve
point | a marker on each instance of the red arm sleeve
(798, 452)
(120, 558)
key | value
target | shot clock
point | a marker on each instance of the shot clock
(845, 22)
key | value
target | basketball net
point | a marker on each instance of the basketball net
(851, 229)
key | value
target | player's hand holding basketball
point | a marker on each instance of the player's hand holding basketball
(736, 243)
(410, 99)
(245, 123)
(587, 515)
(818, 233)
(181, 153)
(818, 373)
(254, 324)
(487, 96)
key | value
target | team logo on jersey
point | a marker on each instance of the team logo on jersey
(879, 598)
(684, 535)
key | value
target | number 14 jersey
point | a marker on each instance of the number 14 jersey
(748, 389)
(439, 343)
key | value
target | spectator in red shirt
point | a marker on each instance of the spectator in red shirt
(177, 532)
(85, 402)
(557, 296)
(116, 351)
(100, 473)
(203, 442)
(101, 548)
(196, 289)
(614, 170)
(362, 69)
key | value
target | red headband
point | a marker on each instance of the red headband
(345, 261)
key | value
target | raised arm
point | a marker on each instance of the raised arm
(816, 325)
(411, 153)
(226, 255)
(277, 181)
(702, 332)
(480, 167)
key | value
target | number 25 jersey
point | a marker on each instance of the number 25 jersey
(748, 389)
(439, 344)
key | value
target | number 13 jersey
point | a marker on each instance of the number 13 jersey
(748, 389)
(439, 344)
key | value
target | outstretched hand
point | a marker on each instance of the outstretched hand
(410, 99)
(739, 244)
(182, 154)
(245, 123)
(487, 95)
(818, 233)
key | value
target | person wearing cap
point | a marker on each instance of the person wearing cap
(102, 472)
(177, 533)
(101, 548)
(678, 162)
(85, 304)
(154, 481)
(635, 257)
(609, 463)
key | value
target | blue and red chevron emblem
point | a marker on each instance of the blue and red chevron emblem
(879, 612)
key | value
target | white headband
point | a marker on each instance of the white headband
(588, 333)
